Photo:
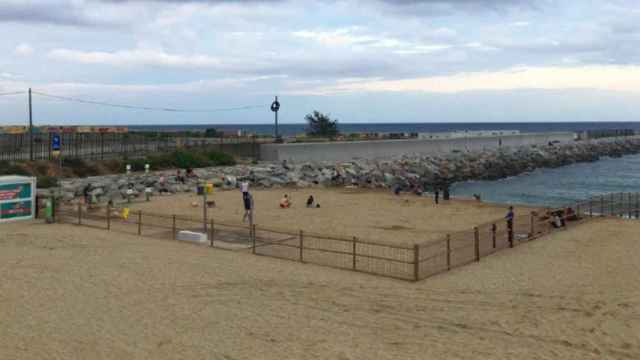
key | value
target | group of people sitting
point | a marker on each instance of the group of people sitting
(285, 202)
(558, 218)
(189, 173)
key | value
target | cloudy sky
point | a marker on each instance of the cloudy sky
(360, 60)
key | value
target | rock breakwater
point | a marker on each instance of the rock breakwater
(406, 172)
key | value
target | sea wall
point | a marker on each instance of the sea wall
(380, 149)
(406, 172)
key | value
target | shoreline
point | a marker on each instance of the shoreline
(407, 173)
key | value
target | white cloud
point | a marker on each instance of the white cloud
(81, 88)
(7, 75)
(598, 77)
(23, 49)
(134, 58)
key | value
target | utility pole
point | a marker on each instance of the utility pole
(30, 128)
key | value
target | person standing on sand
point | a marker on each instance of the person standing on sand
(509, 218)
(436, 196)
(247, 200)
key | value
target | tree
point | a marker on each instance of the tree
(319, 124)
(211, 133)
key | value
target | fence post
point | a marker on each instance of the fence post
(173, 228)
(253, 249)
(212, 233)
(510, 232)
(448, 252)
(139, 222)
(476, 242)
(493, 234)
(611, 200)
(354, 252)
(416, 262)
(79, 214)
(108, 217)
(533, 224)
(301, 246)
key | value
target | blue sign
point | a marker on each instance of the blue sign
(55, 142)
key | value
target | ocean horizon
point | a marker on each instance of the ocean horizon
(299, 128)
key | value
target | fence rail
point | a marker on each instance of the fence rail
(99, 146)
(406, 262)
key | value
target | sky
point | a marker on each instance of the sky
(360, 61)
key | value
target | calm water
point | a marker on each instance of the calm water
(293, 129)
(560, 186)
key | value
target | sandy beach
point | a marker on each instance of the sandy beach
(366, 214)
(71, 292)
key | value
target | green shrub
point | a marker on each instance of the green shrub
(45, 182)
(217, 158)
(80, 167)
(7, 168)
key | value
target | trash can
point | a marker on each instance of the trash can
(48, 210)
(210, 188)
(200, 190)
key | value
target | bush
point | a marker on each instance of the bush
(80, 167)
(45, 182)
(7, 168)
(217, 158)
(185, 159)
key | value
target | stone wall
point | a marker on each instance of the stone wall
(407, 172)
(380, 149)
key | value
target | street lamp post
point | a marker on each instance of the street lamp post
(275, 107)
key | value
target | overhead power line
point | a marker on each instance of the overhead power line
(147, 108)
(13, 93)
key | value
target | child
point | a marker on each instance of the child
(284, 202)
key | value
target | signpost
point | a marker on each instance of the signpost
(56, 146)
(17, 198)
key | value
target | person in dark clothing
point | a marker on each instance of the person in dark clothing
(436, 196)
(179, 177)
(247, 200)
(509, 218)
(86, 192)
(445, 194)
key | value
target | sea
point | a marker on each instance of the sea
(397, 127)
(542, 187)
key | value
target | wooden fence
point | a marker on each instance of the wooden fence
(625, 205)
(406, 262)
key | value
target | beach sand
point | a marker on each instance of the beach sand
(71, 292)
(366, 214)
